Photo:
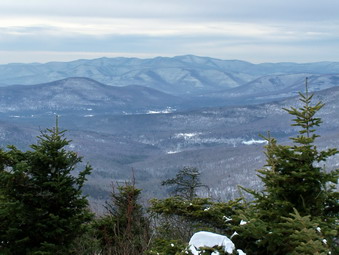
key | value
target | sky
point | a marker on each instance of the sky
(252, 30)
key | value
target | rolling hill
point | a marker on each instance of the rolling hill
(181, 75)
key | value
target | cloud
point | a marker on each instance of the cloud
(162, 27)
(220, 28)
(189, 9)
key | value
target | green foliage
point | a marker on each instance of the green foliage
(294, 186)
(184, 214)
(214, 250)
(188, 217)
(42, 206)
(201, 212)
(186, 183)
(88, 242)
(304, 235)
(295, 234)
(254, 235)
(168, 247)
(292, 176)
(124, 230)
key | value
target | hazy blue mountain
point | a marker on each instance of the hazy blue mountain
(273, 87)
(288, 68)
(82, 94)
(118, 117)
(288, 84)
(178, 75)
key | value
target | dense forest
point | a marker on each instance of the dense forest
(43, 209)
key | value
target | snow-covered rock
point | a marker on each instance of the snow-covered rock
(208, 239)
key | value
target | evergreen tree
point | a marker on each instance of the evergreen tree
(303, 235)
(173, 225)
(293, 177)
(42, 206)
(186, 183)
(293, 180)
(178, 217)
(124, 230)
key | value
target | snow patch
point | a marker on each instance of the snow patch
(198, 138)
(172, 152)
(167, 110)
(186, 135)
(71, 146)
(234, 234)
(252, 141)
(226, 219)
(240, 252)
(242, 222)
(208, 239)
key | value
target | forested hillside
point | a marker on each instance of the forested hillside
(43, 210)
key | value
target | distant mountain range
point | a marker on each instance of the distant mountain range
(178, 75)
(158, 115)
(82, 94)
(274, 87)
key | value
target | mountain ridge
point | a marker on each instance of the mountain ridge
(81, 93)
(180, 75)
(213, 139)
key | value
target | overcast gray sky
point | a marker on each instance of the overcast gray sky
(253, 30)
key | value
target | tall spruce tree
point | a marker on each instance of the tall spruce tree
(42, 206)
(294, 181)
(293, 176)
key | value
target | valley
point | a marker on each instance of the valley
(161, 117)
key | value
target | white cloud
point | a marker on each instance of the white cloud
(249, 10)
(147, 27)
(243, 29)
(226, 10)
(151, 27)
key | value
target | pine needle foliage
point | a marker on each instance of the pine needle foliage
(303, 235)
(294, 182)
(293, 177)
(42, 206)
